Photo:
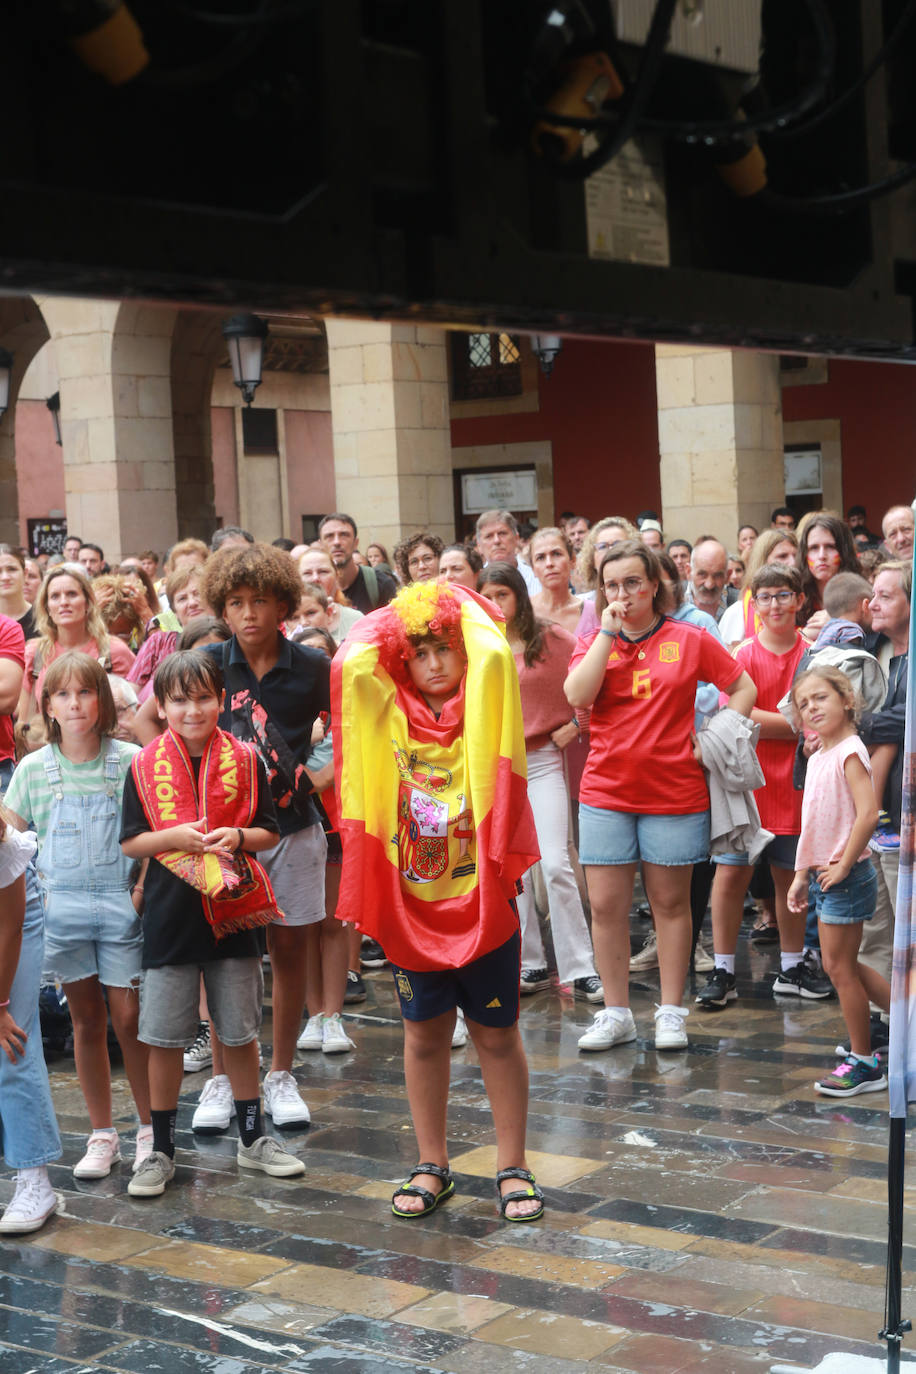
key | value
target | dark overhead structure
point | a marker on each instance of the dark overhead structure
(729, 171)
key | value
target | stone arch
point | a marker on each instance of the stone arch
(23, 331)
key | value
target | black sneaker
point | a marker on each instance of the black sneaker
(589, 989)
(532, 980)
(371, 954)
(802, 981)
(719, 990)
(880, 1037)
(356, 989)
(851, 1077)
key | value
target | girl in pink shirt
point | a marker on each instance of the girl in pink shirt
(839, 813)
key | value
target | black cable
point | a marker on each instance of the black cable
(841, 202)
(842, 100)
(639, 96)
(717, 131)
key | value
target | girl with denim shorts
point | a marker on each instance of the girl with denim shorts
(839, 813)
(70, 793)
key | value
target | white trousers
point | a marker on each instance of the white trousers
(550, 805)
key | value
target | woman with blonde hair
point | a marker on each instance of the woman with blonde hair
(611, 530)
(315, 567)
(67, 617)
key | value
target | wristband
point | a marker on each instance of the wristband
(4, 1004)
(241, 839)
(611, 634)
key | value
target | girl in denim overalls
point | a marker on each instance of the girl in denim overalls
(70, 793)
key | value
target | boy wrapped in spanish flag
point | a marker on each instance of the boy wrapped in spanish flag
(437, 832)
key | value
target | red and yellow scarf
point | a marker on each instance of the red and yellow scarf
(235, 890)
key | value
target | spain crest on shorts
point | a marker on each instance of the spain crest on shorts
(669, 651)
(403, 985)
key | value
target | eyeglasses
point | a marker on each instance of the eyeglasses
(421, 560)
(603, 547)
(630, 585)
(766, 598)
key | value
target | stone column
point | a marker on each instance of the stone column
(720, 440)
(390, 421)
(116, 422)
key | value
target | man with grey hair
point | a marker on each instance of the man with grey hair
(706, 587)
(498, 542)
(897, 527)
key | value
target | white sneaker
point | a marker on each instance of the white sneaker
(32, 1203)
(102, 1151)
(310, 1039)
(460, 1033)
(334, 1039)
(669, 1028)
(143, 1146)
(199, 1055)
(703, 961)
(609, 1028)
(269, 1156)
(215, 1106)
(647, 957)
(282, 1100)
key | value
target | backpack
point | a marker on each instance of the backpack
(371, 582)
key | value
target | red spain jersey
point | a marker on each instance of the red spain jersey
(778, 802)
(640, 758)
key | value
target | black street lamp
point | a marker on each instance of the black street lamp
(6, 375)
(53, 404)
(245, 335)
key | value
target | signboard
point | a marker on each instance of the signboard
(802, 469)
(47, 536)
(515, 491)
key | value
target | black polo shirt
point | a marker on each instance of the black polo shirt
(358, 593)
(295, 690)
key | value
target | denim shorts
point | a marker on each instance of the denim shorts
(780, 852)
(92, 934)
(851, 901)
(296, 867)
(625, 837)
(170, 997)
(486, 990)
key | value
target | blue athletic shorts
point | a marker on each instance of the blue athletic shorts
(486, 990)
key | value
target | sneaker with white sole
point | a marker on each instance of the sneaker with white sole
(669, 1028)
(32, 1203)
(334, 1039)
(269, 1156)
(460, 1033)
(533, 980)
(215, 1106)
(647, 958)
(103, 1150)
(356, 989)
(151, 1178)
(703, 960)
(282, 1101)
(588, 989)
(610, 1027)
(310, 1039)
(199, 1055)
(719, 990)
(802, 980)
(143, 1147)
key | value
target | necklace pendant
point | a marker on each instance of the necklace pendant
(641, 654)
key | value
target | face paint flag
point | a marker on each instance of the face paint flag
(434, 814)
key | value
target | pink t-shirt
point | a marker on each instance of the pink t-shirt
(828, 811)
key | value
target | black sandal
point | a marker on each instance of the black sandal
(519, 1194)
(430, 1200)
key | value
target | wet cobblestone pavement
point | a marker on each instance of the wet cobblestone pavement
(707, 1211)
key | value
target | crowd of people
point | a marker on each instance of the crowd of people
(338, 760)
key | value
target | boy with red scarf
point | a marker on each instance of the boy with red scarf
(436, 832)
(197, 804)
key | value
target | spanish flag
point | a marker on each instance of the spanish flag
(434, 814)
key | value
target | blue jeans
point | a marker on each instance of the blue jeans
(28, 1126)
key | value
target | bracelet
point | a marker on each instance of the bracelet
(241, 839)
(5, 1004)
(611, 634)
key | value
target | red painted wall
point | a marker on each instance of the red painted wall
(598, 409)
(39, 467)
(309, 466)
(875, 403)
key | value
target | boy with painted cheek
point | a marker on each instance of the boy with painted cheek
(196, 805)
(436, 831)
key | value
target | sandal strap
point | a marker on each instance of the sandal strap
(525, 1174)
(414, 1190)
(437, 1170)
